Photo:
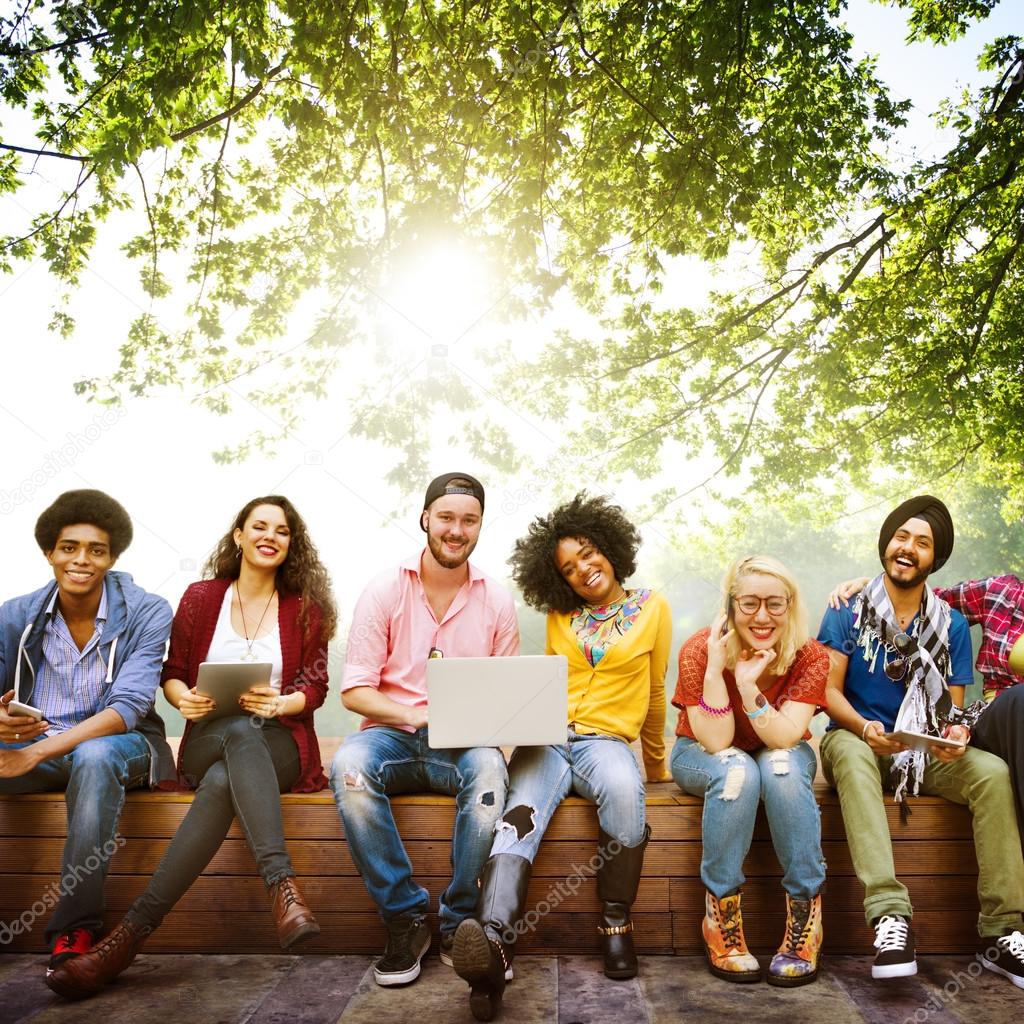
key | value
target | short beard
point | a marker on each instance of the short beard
(914, 581)
(434, 544)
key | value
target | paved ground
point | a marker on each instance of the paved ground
(568, 990)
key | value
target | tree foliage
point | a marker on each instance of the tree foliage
(285, 154)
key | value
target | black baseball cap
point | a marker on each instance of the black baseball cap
(442, 485)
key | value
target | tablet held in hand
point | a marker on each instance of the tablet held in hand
(920, 740)
(226, 681)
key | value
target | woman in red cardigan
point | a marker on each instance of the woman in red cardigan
(269, 600)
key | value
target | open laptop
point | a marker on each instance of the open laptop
(497, 702)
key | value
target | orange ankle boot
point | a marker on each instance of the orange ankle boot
(726, 949)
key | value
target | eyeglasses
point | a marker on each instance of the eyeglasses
(750, 605)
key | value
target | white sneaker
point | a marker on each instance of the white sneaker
(1009, 961)
(894, 941)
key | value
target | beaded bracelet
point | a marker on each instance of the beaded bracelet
(714, 712)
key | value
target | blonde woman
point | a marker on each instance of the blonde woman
(747, 690)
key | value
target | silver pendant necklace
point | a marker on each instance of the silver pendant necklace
(249, 655)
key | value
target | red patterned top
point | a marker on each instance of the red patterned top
(997, 604)
(304, 663)
(804, 682)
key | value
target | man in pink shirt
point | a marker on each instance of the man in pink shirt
(435, 604)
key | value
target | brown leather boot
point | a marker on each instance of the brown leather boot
(86, 974)
(292, 918)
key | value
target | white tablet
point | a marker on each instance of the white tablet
(920, 740)
(226, 681)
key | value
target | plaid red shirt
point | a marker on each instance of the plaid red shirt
(997, 605)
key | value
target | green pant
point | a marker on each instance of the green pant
(978, 779)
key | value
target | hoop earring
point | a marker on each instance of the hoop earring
(238, 551)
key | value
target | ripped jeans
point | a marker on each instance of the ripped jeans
(602, 769)
(733, 782)
(379, 762)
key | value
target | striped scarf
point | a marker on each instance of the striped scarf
(927, 706)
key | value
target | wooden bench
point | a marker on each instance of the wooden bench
(226, 911)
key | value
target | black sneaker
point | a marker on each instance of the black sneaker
(68, 945)
(447, 944)
(1009, 961)
(408, 940)
(894, 941)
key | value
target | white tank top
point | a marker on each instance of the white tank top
(227, 645)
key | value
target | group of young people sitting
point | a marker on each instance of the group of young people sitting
(89, 648)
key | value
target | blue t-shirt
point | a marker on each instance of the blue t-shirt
(873, 694)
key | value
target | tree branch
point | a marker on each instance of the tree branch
(855, 270)
(742, 443)
(152, 229)
(997, 280)
(216, 194)
(70, 197)
(714, 394)
(383, 187)
(232, 110)
(46, 152)
(628, 93)
(95, 38)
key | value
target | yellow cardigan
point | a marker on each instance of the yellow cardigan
(624, 695)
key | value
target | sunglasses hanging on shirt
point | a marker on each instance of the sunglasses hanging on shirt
(904, 646)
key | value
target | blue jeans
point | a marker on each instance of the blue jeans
(732, 783)
(95, 776)
(600, 768)
(243, 764)
(379, 762)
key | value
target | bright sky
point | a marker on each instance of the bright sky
(154, 454)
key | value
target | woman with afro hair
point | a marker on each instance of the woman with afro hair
(572, 564)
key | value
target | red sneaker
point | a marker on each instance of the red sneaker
(70, 944)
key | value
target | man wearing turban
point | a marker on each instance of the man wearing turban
(997, 605)
(901, 659)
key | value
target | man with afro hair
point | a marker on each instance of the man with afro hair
(80, 660)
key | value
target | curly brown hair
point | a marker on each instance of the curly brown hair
(301, 572)
(585, 519)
